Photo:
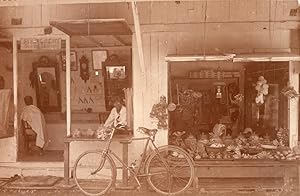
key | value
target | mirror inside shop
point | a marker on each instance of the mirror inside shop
(231, 112)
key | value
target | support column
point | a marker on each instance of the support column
(293, 105)
(15, 84)
(138, 35)
(68, 86)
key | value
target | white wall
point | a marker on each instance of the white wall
(7, 145)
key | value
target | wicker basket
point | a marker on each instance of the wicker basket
(214, 150)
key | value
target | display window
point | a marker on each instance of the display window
(236, 111)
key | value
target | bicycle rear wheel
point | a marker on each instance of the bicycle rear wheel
(94, 173)
(170, 171)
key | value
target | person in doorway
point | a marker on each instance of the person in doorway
(117, 117)
(33, 116)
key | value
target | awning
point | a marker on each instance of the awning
(88, 27)
(273, 57)
(186, 58)
(258, 57)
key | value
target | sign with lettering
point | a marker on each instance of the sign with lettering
(50, 43)
(40, 43)
(29, 44)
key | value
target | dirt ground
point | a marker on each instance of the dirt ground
(74, 192)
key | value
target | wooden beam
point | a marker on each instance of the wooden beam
(272, 57)
(68, 86)
(138, 35)
(104, 48)
(58, 2)
(293, 106)
(187, 58)
(15, 84)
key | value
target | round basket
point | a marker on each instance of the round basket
(214, 150)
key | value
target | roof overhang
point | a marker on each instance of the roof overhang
(89, 27)
(58, 2)
(261, 57)
(185, 58)
(269, 57)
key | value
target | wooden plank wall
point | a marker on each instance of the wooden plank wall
(149, 87)
(293, 104)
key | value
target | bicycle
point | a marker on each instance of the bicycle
(169, 169)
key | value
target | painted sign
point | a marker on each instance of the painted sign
(40, 43)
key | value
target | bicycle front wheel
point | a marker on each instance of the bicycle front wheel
(94, 173)
(170, 170)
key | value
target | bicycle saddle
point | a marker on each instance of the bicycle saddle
(149, 132)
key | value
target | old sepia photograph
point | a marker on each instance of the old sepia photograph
(149, 97)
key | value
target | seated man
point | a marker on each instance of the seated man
(117, 117)
(35, 118)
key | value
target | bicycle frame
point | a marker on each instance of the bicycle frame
(136, 175)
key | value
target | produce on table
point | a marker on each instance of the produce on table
(247, 145)
(103, 133)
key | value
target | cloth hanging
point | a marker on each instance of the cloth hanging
(35, 118)
(5, 95)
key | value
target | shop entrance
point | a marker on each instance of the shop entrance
(100, 70)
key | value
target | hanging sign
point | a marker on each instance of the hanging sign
(50, 43)
(29, 44)
(40, 43)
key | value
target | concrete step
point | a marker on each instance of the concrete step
(31, 169)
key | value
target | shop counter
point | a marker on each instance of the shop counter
(123, 139)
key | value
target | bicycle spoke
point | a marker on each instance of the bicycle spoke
(179, 175)
(180, 172)
(182, 180)
(92, 174)
(160, 181)
(170, 183)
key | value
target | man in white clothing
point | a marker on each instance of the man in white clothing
(117, 117)
(35, 118)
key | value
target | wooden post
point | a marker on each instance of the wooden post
(293, 106)
(138, 35)
(15, 84)
(66, 162)
(125, 160)
(68, 86)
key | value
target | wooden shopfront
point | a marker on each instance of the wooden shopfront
(83, 77)
(213, 92)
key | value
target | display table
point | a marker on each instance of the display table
(247, 169)
(123, 139)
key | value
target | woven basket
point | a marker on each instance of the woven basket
(214, 149)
